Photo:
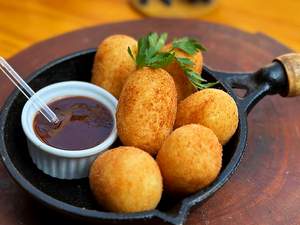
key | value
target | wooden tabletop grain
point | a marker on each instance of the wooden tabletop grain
(23, 23)
(265, 188)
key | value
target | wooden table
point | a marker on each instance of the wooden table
(269, 173)
(23, 23)
(265, 188)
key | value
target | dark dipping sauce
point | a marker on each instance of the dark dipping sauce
(84, 124)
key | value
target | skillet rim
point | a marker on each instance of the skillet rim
(67, 208)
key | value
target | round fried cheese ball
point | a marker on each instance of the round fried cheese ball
(212, 108)
(190, 159)
(113, 64)
(126, 179)
(146, 109)
(184, 87)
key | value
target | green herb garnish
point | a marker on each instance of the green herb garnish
(149, 54)
(188, 45)
(195, 78)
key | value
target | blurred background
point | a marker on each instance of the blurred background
(23, 23)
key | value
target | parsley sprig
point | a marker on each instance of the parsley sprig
(195, 78)
(188, 45)
(149, 54)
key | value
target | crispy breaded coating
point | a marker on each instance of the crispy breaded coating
(113, 64)
(126, 179)
(147, 109)
(190, 159)
(212, 108)
(183, 85)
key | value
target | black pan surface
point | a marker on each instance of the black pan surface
(74, 197)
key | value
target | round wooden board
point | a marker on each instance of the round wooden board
(265, 188)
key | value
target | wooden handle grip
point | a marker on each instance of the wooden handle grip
(291, 64)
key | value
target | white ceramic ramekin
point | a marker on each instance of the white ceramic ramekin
(60, 163)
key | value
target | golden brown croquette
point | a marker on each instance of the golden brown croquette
(190, 159)
(212, 108)
(126, 179)
(112, 64)
(183, 85)
(146, 109)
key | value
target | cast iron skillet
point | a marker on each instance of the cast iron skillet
(74, 198)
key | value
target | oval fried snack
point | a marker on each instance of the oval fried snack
(146, 109)
(190, 159)
(184, 87)
(126, 179)
(113, 64)
(212, 108)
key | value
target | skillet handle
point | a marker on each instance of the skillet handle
(282, 77)
(291, 64)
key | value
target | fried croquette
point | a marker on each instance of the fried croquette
(212, 108)
(146, 109)
(190, 159)
(183, 85)
(126, 179)
(113, 64)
